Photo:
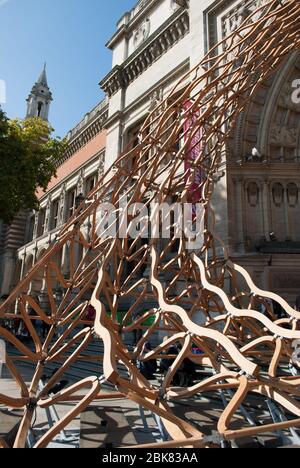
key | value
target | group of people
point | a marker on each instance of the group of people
(267, 306)
(185, 374)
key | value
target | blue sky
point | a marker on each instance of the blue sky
(70, 35)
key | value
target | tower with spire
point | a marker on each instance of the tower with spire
(39, 100)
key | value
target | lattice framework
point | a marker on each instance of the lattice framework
(245, 350)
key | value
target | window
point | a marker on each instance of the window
(55, 214)
(91, 183)
(40, 107)
(71, 202)
(30, 229)
(42, 223)
(133, 139)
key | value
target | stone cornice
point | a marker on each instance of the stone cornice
(151, 50)
(97, 157)
(88, 129)
(182, 68)
(284, 168)
(119, 115)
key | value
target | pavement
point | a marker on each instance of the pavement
(115, 423)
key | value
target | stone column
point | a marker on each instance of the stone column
(265, 206)
(62, 206)
(288, 235)
(239, 197)
(24, 255)
(9, 264)
(36, 225)
(48, 216)
(65, 264)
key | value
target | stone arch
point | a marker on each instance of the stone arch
(29, 261)
(266, 145)
(270, 115)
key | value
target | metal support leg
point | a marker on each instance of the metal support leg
(278, 417)
(53, 418)
(161, 428)
(144, 419)
(243, 410)
(163, 434)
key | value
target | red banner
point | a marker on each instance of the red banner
(193, 176)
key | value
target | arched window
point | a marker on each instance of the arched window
(40, 108)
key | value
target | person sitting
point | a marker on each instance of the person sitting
(186, 373)
(147, 368)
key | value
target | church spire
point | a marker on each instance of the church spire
(43, 77)
(39, 100)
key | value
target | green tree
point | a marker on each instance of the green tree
(28, 161)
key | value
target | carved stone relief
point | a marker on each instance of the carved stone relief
(253, 194)
(156, 97)
(47, 212)
(142, 33)
(282, 136)
(80, 183)
(62, 199)
(237, 16)
(101, 166)
(175, 4)
(278, 194)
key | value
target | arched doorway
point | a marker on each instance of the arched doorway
(264, 183)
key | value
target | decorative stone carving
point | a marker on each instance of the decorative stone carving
(80, 182)
(285, 99)
(290, 137)
(101, 166)
(253, 194)
(142, 4)
(292, 195)
(283, 136)
(275, 135)
(62, 200)
(156, 97)
(155, 50)
(278, 194)
(238, 15)
(163, 39)
(47, 213)
(142, 33)
(237, 20)
(175, 4)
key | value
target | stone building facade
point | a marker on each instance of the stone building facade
(256, 200)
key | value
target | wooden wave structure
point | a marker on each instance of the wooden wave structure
(177, 160)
